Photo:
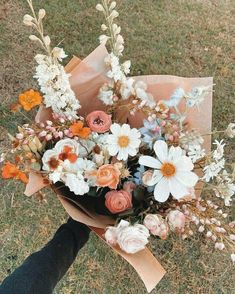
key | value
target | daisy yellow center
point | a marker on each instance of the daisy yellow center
(168, 170)
(123, 141)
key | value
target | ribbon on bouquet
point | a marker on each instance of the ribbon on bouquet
(87, 76)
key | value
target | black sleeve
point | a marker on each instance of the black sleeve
(42, 270)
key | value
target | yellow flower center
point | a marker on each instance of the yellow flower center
(123, 141)
(168, 170)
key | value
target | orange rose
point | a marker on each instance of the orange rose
(118, 201)
(107, 176)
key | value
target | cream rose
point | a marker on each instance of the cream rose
(132, 239)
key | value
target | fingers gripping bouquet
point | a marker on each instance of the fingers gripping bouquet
(130, 155)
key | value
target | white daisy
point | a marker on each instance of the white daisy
(172, 172)
(124, 141)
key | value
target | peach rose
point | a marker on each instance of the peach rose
(107, 176)
(118, 201)
(99, 121)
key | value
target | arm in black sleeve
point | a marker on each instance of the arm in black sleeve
(42, 270)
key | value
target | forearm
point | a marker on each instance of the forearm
(41, 271)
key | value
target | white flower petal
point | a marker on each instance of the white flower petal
(174, 152)
(162, 191)
(184, 163)
(132, 151)
(135, 143)
(177, 189)
(189, 179)
(125, 130)
(150, 162)
(115, 129)
(122, 154)
(113, 149)
(161, 149)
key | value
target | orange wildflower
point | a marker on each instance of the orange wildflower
(30, 99)
(77, 129)
(11, 171)
(67, 154)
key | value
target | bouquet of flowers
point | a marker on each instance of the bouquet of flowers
(129, 156)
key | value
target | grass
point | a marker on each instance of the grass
(181, 37)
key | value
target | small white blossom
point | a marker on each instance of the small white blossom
(230, 131)
(197, 96)
(219, 152)
(225, 188)
(147, 98)
(195, 153)
(213, 169)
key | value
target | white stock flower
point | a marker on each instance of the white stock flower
(172, 172)
(127, 89)
(106, 94)
(146, 98)
(76, 183)
(131, 239)
(54, 84)
(115, 72)
(59, 53)
(126, 67)
(124, 141)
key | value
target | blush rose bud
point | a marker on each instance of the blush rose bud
(156, 225)
(176, 220)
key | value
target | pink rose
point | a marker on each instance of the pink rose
(176, 219)
(118, 201)
(156, 225)
(129, 187)
(99, 121)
